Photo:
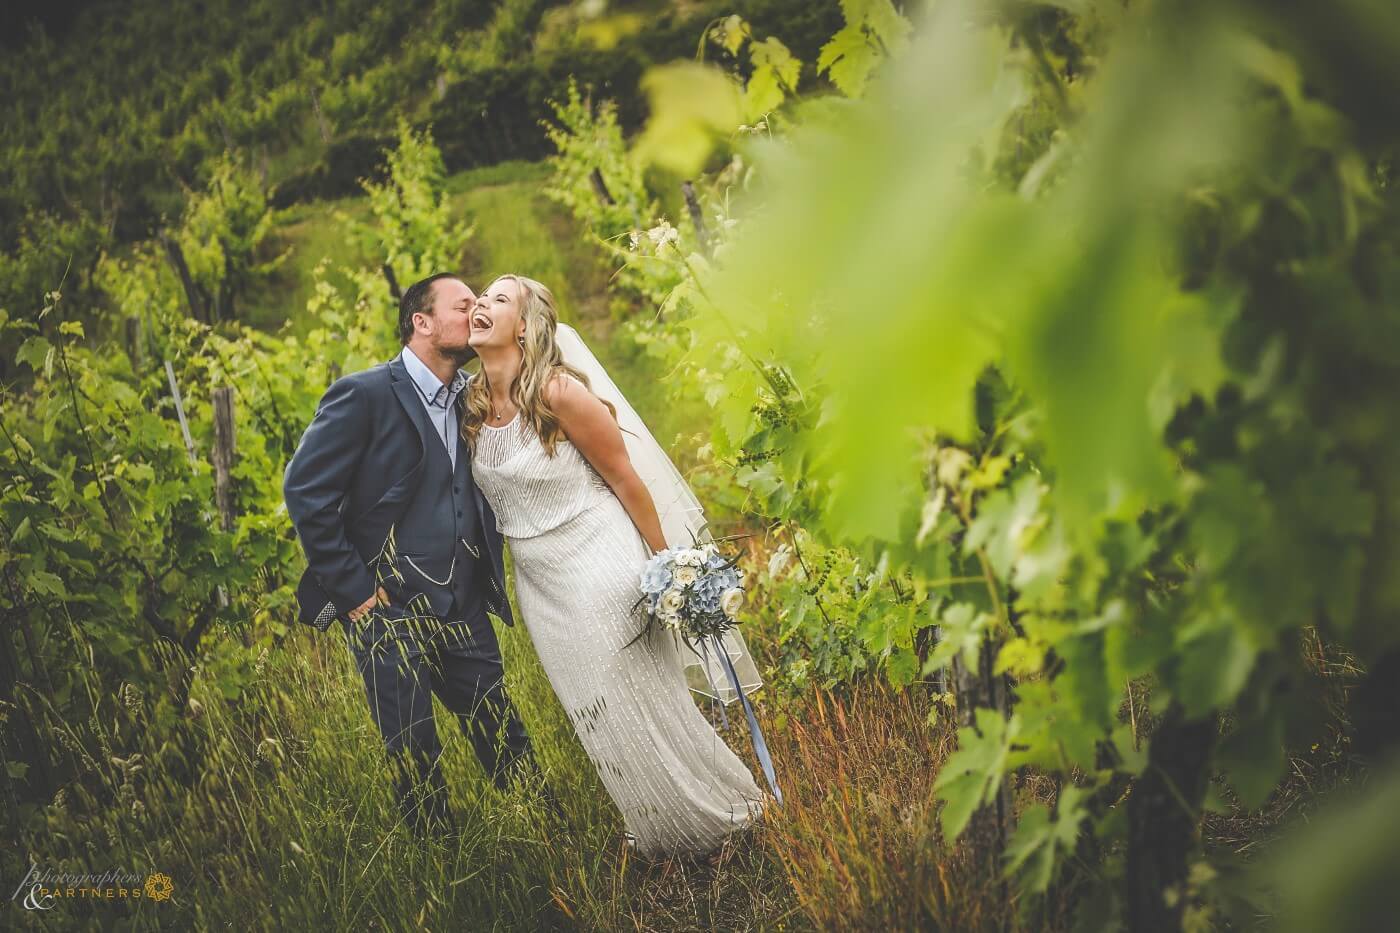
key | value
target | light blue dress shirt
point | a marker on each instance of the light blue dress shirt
(438, 399)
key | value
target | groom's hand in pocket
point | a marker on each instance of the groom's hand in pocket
(380, 598)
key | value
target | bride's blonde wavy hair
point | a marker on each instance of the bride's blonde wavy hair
(542, 363)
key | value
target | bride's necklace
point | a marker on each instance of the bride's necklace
(496, 414)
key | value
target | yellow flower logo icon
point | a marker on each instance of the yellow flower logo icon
(159, 887)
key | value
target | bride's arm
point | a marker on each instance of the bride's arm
(592, 429)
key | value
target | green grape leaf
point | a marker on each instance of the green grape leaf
(731, 32)
(1083, 682)
(1132, 753)
(884, 21)
(775, 76)
(971, 775)
(852, 55)
(34, 353)
(1253, 757)
(1019, 656)
(849, 59)
(1053, 736)
(961, 628)
(1038, 840)
(793, 273)
(41, 581)
(1214, 665)
(762, 479)
(692, 105)
(902, 666)
(1004, 521)
(1192, 364)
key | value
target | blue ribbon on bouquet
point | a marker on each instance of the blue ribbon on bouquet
(760, 745)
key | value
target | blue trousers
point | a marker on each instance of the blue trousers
(404, 659)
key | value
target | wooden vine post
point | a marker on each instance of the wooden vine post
(977, 686)
(321, 125)
(182, 269)
(697, 218)
(223, 455)
(600, 187)
(132, 335)
(394, 291)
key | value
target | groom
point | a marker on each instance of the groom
(402, 548)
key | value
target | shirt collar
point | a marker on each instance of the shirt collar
(428, 384)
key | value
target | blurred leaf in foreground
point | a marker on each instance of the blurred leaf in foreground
(1339, 872)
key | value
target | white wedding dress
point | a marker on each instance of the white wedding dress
(577, 559)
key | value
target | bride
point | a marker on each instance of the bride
(551, 459)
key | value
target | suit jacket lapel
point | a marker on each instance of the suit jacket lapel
(407, 395)
(412, 403)
(461, 464)
(464, 454)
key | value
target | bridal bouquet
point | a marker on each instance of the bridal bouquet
(695, 591)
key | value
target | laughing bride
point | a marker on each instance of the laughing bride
(580, 521)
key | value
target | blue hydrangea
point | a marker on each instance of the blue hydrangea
(706, 592)
(656, 577)
(701, 612)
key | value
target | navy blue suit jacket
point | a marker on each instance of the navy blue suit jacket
(349, 480)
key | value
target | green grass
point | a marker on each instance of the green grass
(502, 173)
(275, 811)
(516, 229)
(510, 236)
(309, 233)
(286, 819)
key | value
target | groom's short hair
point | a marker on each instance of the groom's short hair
(418, 299)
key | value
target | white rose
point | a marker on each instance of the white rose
(684, 576)
(671, 602)
(731, 602)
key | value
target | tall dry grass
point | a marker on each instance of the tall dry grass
(274, 810)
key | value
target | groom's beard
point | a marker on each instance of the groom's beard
(461, 357)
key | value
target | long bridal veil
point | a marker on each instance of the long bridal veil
(682, 516)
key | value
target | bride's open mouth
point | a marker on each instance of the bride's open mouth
(481, 322)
